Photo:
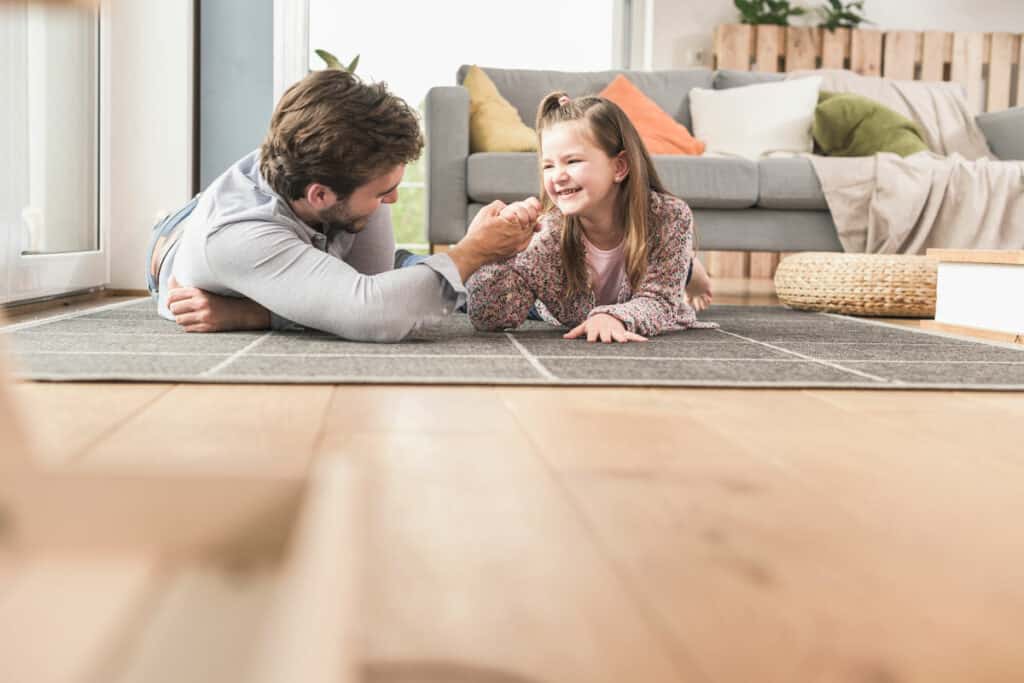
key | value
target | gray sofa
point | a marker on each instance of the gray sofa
(768, 205)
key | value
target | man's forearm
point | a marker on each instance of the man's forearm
(252, 316)
(467, 258)
(227, 314)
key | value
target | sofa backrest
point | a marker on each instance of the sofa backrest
(726, 78)
(525, 88)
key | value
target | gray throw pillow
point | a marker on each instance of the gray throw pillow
(1004, 131)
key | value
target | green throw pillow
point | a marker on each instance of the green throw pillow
(847, 125)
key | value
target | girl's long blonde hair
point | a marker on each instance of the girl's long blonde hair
(610, 129)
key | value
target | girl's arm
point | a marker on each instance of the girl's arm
(500, 295)
(655, 304)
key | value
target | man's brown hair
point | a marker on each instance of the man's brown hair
(333, 129)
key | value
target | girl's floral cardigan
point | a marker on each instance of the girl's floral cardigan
(501, 294)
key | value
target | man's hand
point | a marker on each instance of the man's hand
(200, 311)
(492, 237)
(605, 328)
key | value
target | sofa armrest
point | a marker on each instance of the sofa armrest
(1004, 131)
(447, 126)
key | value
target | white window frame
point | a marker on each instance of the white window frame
(291, 43)
(38, 276)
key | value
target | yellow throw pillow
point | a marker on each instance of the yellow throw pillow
(494, 124)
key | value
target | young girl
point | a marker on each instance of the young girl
(615, 250)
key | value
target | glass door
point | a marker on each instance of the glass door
(53, 166)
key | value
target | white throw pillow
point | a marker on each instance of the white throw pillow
(754, 120)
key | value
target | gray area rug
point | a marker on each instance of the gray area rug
(755, 347)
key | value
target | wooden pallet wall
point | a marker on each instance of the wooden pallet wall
(989, 65)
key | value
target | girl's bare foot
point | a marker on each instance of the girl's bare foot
(698, 292)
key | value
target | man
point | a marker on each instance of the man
(299, 231)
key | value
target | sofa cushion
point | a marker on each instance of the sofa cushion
(525, 88)
(726, 79)
(710, 182)
(704, 182)
(494, 124)
(757, 119)
(789, 184)
(660, 132)
(755, 229)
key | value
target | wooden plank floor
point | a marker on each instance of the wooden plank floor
(595, 534)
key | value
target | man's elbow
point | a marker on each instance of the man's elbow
(382, 327)
(165, 313)
(377, 334)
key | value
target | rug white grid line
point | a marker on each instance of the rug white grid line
(235, 356)
(15, 327)
(531, 359)
(175, 334)
(941, 334)
(834, 366)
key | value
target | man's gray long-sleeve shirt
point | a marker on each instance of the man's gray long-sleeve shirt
(244, 240)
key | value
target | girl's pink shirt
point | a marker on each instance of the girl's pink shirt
(607, 271)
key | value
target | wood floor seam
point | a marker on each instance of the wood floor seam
(114, 428)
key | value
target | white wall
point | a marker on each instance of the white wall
(948, 15)
(150, 124)
(681, 29)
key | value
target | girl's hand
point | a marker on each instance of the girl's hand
(525, 213)
(603, 327)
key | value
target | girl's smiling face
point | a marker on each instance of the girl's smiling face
(579, 177)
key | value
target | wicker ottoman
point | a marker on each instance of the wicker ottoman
(858, 284)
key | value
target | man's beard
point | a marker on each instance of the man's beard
(338, 217)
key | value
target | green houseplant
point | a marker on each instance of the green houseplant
(332, 62)
(838, 14)
(775, 12)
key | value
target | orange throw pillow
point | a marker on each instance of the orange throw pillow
(660, 132)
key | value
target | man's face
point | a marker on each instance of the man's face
(352, 214)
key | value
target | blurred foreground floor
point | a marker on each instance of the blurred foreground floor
(576, 534)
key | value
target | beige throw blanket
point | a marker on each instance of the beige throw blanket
(957, 196)
(886, 204)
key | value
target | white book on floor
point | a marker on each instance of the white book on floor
(980, 289)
